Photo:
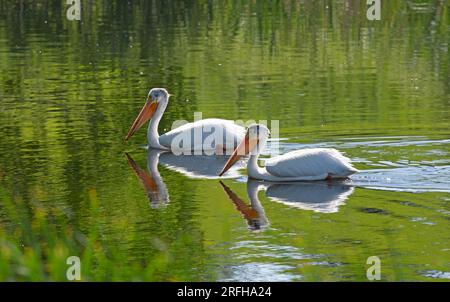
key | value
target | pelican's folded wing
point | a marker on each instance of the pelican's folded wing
(203, 135)
(310, 162)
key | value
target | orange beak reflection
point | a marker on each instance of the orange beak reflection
(146, 113)
(247, 211)
(244, 148)
(146, 180)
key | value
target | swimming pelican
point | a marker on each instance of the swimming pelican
(190, 136)
(299, 165)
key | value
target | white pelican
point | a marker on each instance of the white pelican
(299, 165)
(154, 108)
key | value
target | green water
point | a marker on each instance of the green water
(379, 91)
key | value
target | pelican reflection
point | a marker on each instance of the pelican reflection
(254, 213)
(192, 166)
(152, 181)
(199, 166)
(321, 197)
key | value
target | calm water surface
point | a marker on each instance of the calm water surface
(377, 91)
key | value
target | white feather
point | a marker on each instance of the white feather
(231, 135)
(310, 162)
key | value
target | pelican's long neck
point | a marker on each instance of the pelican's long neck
(152, 132)
(252, 166)
(254, 171)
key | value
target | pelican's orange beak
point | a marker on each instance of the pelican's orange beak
(244, 148)
(146, 113)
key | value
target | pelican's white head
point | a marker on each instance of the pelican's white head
(159, 95)
(254, 140)
(259, 131)
(157, 100)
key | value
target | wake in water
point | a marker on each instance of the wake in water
(406, 179)
(402, 175)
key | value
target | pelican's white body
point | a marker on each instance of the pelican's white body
(308, 164)
(207, 134)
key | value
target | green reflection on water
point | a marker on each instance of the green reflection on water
(69, 91)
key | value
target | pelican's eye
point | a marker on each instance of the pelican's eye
(155, 95)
